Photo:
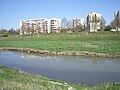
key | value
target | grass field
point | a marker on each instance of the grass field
(14, 79)
(99, 42)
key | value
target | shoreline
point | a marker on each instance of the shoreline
(31, 79)
(65, 53)
(14, 78)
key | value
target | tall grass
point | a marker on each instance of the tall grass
(14, 79)
(100, 42)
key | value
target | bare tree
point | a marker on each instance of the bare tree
(103, 22)
(64, 23)
(69, 24)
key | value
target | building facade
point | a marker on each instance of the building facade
(94, 21)
(117, 20)
(40, 25)
(55, 25)
(77, 22)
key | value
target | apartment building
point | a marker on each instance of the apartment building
(40, 25)
(77, 22)
(117, 20)
(55, 25)
(44, 25)
(94, 21)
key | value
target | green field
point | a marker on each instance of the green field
(14, 79)
(99, 42)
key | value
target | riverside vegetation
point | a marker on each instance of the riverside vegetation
(14, 79)
(99, 42)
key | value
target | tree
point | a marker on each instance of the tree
(11, 31)
(98, 23)
(103, 22)
(108, 28)
(17, 31)
(2, 30)
(5, 34)
(77, 25)
(95, 21)
(116, 22)
(38, 28)
(79, 28)
(69, 24)
(32, 28)
(64, 23)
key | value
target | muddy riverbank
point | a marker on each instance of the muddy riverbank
(65, 53)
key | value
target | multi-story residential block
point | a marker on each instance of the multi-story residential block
(55, 25)
(77, 22)
(94, 21)
(40, 25)
(44, 25)
(117, 20)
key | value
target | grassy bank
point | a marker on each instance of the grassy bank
(100, 42)
(14, 79)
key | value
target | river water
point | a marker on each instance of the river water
(84, 70)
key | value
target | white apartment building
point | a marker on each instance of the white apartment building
(77, 22)
(40, 25)
(94, 21)
(43, 22)
(55, 25)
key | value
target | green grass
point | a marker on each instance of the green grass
(14, 79)
(100, 42)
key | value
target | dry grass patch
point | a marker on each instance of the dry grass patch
(91, 45)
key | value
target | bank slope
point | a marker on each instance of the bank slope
(14, 79)
(94, 44)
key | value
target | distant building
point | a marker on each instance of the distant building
(40, 25)
(94, 21)
(117, 20)
(54, 25)
(44, 25)
(77, 22)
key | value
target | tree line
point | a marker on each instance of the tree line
(10, 32)
(66, 25)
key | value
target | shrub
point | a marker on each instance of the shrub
(108, 28)
(5, 34)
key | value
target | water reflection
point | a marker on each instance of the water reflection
(85, 70)
(94, 60)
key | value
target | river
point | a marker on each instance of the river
(88, 71)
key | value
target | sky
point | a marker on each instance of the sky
(12, 11)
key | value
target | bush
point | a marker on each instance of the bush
(108, 28)
(5, 34)
(64, 30)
